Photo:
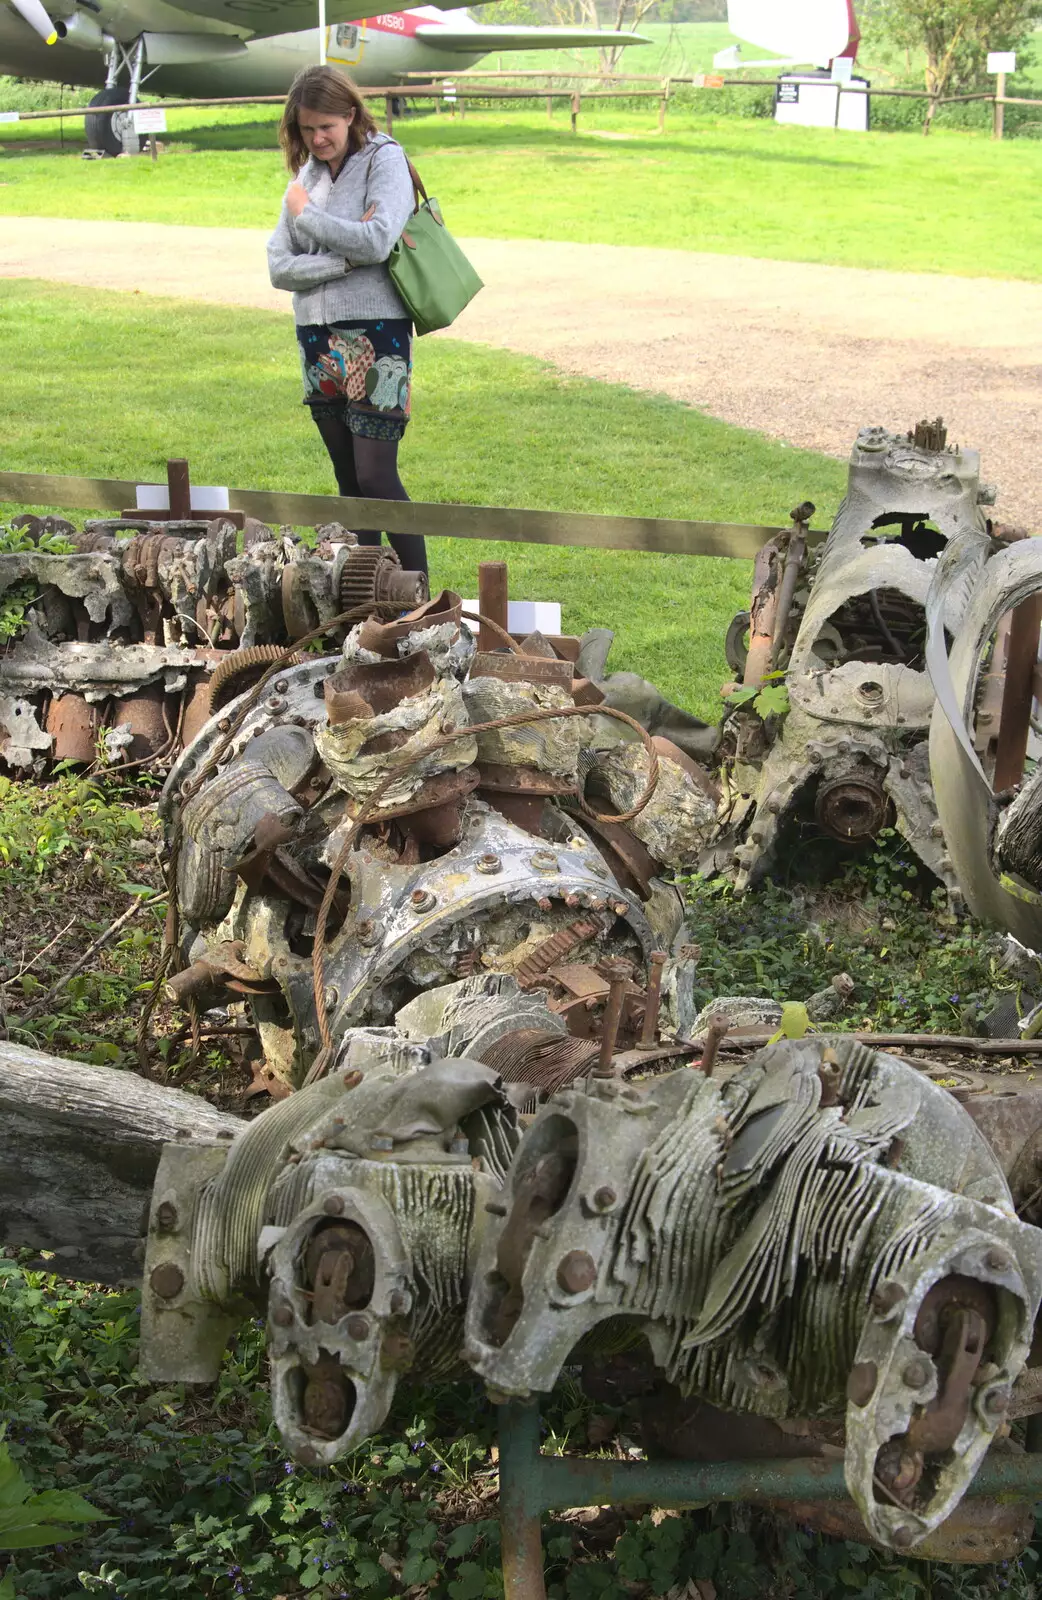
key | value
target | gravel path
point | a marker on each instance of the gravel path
(806, 354)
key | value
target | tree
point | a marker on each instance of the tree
(956, 36)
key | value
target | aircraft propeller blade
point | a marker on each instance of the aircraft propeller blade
(34, 14)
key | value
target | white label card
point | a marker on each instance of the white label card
(1002, 61)
(150, 119)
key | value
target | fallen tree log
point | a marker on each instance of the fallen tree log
(79, 1148)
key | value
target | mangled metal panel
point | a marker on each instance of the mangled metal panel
(992, 839)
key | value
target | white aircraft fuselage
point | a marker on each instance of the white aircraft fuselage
(225, 60)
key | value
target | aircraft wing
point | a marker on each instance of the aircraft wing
(477, 38)
(267, 17)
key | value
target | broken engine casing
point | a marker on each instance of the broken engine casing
(850, 756)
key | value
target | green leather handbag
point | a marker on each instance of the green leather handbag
(432, 275)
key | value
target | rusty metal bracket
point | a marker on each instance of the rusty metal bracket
(531, 1483)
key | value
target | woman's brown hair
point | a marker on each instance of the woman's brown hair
(322, 89)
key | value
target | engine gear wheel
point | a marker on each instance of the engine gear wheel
(372, 574)
(242, 668)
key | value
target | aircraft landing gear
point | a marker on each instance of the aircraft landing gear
(108, 134)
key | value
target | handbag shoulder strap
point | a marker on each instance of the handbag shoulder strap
(417, 183)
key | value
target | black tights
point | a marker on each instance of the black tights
(367, 469)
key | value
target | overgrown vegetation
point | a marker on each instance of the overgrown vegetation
(203, 1503)
(916, 967)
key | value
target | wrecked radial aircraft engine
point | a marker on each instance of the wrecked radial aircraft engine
(460, 844)
(845, 624)
(140, 629)
(822, 1235)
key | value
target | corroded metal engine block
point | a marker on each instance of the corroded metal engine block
(130, 631)
(822, 1235)
(468, 853)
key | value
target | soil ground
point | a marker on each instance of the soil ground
(806, 354)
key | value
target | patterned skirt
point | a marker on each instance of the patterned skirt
(362, 368)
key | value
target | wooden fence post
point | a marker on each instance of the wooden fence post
(389, 112)
(999, 118)
(577, 101)
(664, 105)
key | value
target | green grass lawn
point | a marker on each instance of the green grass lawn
(725, 185)
(118, 383)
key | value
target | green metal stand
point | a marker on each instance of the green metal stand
(531, 1483)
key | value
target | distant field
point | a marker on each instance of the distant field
(898, 201)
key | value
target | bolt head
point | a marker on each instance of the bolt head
(281, 685)
(576, 1272)
(997, 1261)
(887, 1298)
(861, 1385)
(224, 724)
(333, 1205)
(166, 1216)
(916, 1374)
(489, 862)
(282, 1315)
(167, 1280)
(604, 1198)
(903, 1537)
(357, 1327)
(996, 1404)
(331, 995)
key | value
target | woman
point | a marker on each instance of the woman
(350, 198)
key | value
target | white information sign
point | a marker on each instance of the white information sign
(156, 497)
(1002, 61)
(150, 119)
(525, 616)
(8, 116)
(842, 69)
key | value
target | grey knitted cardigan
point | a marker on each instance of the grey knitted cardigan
(336, 264)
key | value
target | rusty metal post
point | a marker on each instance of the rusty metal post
(493, 602)
(795, 555)
(519, 1508)
(653, 1001)
(999, 117)
(179, 485)
(577, 101)
(1018, 692)
(716, 1031)
(617, 974)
